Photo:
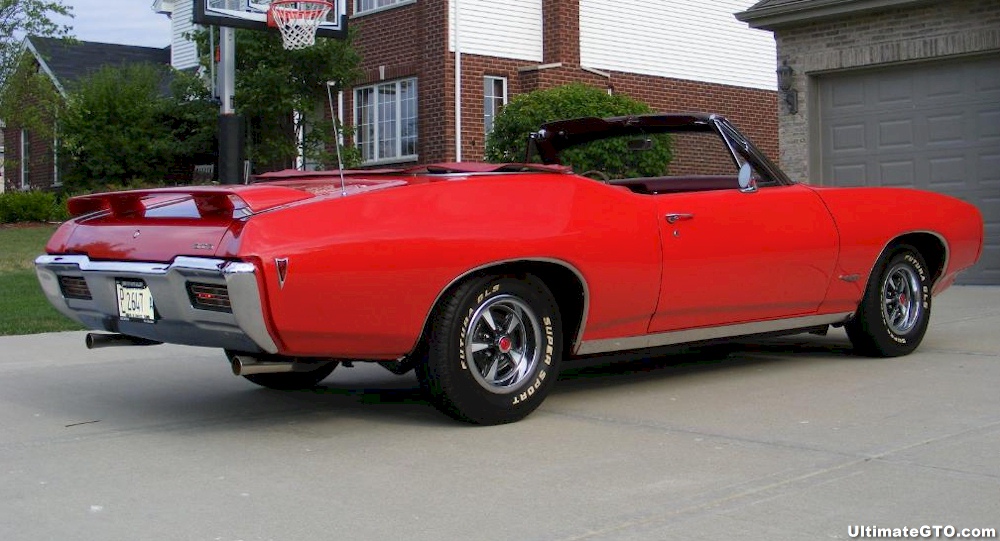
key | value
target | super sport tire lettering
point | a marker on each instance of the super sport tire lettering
(893, 315)
(493, 349)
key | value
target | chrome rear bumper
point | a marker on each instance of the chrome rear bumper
(178, 321)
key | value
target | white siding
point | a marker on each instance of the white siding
(686, 39)
(510, 29)
(183, 52)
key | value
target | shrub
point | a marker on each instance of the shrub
(525, 113)
(31, 207)
(120, 124)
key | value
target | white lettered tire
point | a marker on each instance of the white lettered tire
(893, 315)
(494, 349)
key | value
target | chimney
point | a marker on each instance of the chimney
(561, 28)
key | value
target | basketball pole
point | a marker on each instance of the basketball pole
(232, 130)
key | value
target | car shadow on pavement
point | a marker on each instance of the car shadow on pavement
(371, 394)
(668, 362)
(210, 400)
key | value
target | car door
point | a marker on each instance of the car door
(732, 257)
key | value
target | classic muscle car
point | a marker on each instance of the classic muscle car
(484, 278)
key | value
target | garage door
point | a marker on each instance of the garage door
(933, 126)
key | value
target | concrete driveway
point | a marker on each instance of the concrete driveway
(791, 438)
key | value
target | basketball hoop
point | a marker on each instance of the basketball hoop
(298, 20)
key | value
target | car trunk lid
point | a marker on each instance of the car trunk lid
(161, 224)
(158, 225)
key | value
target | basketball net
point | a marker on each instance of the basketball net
(298, 20)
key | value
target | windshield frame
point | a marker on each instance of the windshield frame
(554, 137)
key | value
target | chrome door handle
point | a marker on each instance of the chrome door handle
(673, 218)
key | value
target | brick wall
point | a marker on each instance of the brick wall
(561, 31)
(924, 32)
(412, 41)
(40, 173)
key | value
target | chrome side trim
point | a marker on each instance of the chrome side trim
(944, 264)
(586, 291)
(606, 345)
(85, 264)
(244, 296)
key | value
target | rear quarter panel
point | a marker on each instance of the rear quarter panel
(364, 271)
(868, 219)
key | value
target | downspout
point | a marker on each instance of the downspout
(458, 88)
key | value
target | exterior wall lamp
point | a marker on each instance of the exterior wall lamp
(789, 95)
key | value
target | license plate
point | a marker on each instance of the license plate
(135, 302)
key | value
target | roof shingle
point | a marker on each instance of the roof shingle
(71, 60)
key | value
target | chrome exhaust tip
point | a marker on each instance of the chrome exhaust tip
(102, 340)
(247, 365)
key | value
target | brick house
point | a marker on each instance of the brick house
(665, 53)
(675, 55)
(894, 93)
(32, 161)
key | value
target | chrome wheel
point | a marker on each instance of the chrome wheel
(901, 298)
(892, 317)
(504, 344)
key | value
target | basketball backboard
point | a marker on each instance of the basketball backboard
(252, 14)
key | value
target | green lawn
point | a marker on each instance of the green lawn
(23, 308)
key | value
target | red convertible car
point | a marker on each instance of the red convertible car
(484, 278)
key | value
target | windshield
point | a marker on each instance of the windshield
(646, 146)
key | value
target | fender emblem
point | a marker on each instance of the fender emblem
(850, 277)
(282, 266)
(136, 234)
(203, 246)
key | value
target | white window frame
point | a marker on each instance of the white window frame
(376, 120)
(25, 159)
(56, 179)
(392, 4)
(490, 101)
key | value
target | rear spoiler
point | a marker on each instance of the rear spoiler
(211, 201)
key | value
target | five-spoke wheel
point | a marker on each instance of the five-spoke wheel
(893, 315)
(901, 307)
(494, 349)
(504, 344)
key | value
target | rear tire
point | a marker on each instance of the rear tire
(893, 315)
(494, 349)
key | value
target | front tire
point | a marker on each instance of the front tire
(893, 315)
(494, 349)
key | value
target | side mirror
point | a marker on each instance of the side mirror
(747, 182)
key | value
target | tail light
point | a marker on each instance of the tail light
(74, 287)
(212, 297)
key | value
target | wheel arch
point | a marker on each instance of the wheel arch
(932, 247)
(565, 281)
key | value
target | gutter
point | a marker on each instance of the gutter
(803, 11)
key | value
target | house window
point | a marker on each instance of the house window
(368, 6)
(25, 159)
(494, 98)
(385, 116)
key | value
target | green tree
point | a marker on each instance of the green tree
(272, 83)
(29, 100)
(20, 18)
(527, 112)
(118, 126)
